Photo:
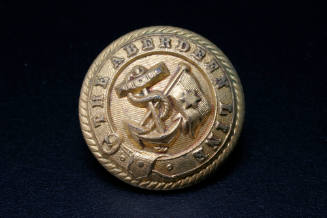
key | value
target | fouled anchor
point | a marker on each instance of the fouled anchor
(153, 132)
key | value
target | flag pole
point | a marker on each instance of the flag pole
(181, 69)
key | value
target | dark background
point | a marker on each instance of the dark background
(277, 169)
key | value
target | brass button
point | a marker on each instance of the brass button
(161, 107)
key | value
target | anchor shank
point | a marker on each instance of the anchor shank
(181, 69)
(155, 117)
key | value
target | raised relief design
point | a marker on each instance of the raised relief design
(183, 46)
(213, 141)
(147, 44)
(111, 143)
(165, 42)
(221, 82)
(221, 126)
(199, 53)
(140, 167)
(199, 155)
(169, 167)
(97, 120)
(131, 50)
(102, 81)
(117, 61)
(182, 96)
(97, 100)
(212, 65)
(224, 109)
(158, 108)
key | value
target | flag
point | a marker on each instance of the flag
(190, 102)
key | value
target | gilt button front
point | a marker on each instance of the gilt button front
(161, 107)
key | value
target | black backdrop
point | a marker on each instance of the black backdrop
(277, 169)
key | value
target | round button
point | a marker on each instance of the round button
(161, 107)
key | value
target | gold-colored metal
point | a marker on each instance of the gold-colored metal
(161, 107)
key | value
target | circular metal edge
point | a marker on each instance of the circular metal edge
(224, 152)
